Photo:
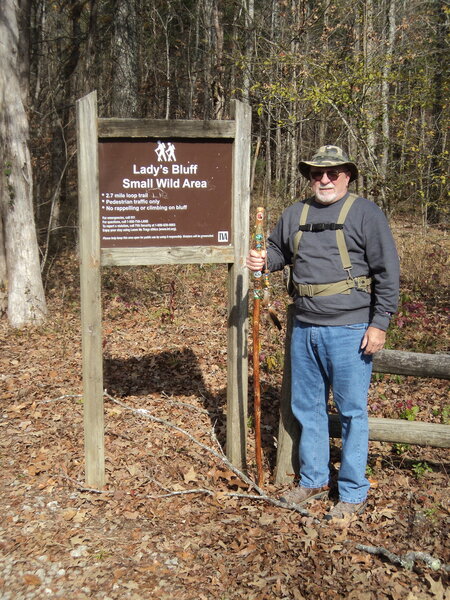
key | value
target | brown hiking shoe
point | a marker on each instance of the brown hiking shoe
(345, 509)
(299, 495)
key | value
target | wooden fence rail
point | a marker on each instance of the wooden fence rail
(384, 430)
(417, 364)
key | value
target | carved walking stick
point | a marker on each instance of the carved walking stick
(258, 295)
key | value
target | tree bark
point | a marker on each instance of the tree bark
(369, 48)
(125, 86)
(437, 189)
(26, 300)
(249, 17)
(385, 88)
(3, 277)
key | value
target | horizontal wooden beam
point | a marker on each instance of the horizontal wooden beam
(142, 128)
(398, 362)
(401, 432)
(166, 255)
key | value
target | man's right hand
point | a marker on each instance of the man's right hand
(255, 260)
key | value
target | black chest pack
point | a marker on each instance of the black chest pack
(344, 286)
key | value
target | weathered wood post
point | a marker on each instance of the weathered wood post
(238, 283)
(90, 280)
(289, 430)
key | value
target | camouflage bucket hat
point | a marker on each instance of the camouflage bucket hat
(328, 156)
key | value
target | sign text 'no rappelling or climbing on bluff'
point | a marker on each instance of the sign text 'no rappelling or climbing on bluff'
(165, 193)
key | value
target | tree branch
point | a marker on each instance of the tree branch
(407, 561)
(261, 495)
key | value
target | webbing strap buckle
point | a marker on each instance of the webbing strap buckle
(306, 289)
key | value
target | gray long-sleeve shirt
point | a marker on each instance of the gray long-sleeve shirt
(372, 251)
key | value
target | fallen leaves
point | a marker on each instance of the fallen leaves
(154, 531)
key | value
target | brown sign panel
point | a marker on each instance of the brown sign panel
(165, 193)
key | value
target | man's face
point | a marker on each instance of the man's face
(329, 184)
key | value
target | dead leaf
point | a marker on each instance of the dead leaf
(436, 588)
(190, 475)
(247, 550)
(77, 539)
(266, 519)
(69, 513)
(30, 579)
(118, 573)
(134, 469)
(133, 515)
(80, 516)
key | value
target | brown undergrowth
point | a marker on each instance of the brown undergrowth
(165, 526)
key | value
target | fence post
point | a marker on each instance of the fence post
(289, 430)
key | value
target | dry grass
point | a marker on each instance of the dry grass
(424, 258)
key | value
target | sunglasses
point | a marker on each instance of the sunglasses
(332, 174)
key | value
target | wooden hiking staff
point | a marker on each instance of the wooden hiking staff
(258, 295)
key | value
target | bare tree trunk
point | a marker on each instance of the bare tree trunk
(268, 155)
(249, 14)
(387, 65)
(217, 91)
(294, 106)
(369, 49)
(125, 99)
(3, 277)
(208, 6)
(26, 300)
(437, 190)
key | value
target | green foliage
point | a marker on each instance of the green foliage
(431, 513)
(419, 469)
(273, 361)
(443, 413)
(401, 448)
(101, 555)
(410, 414)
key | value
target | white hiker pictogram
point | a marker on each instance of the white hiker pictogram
(165, 153)
(170, 155)
(161, 151)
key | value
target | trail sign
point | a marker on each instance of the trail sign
(162, 192)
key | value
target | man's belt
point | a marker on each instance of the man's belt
(345, 286)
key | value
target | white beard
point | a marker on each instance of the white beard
(325, 197)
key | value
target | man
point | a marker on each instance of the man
(346, 283)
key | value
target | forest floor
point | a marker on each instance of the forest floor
(173, 521)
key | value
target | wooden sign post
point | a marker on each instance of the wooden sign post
(162, 192)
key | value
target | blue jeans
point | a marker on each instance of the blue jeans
(324, 357)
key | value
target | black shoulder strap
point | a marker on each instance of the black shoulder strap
(340, 239)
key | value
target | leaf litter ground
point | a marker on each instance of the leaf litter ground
(171, 522)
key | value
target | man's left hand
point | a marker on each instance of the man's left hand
(373, 340)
